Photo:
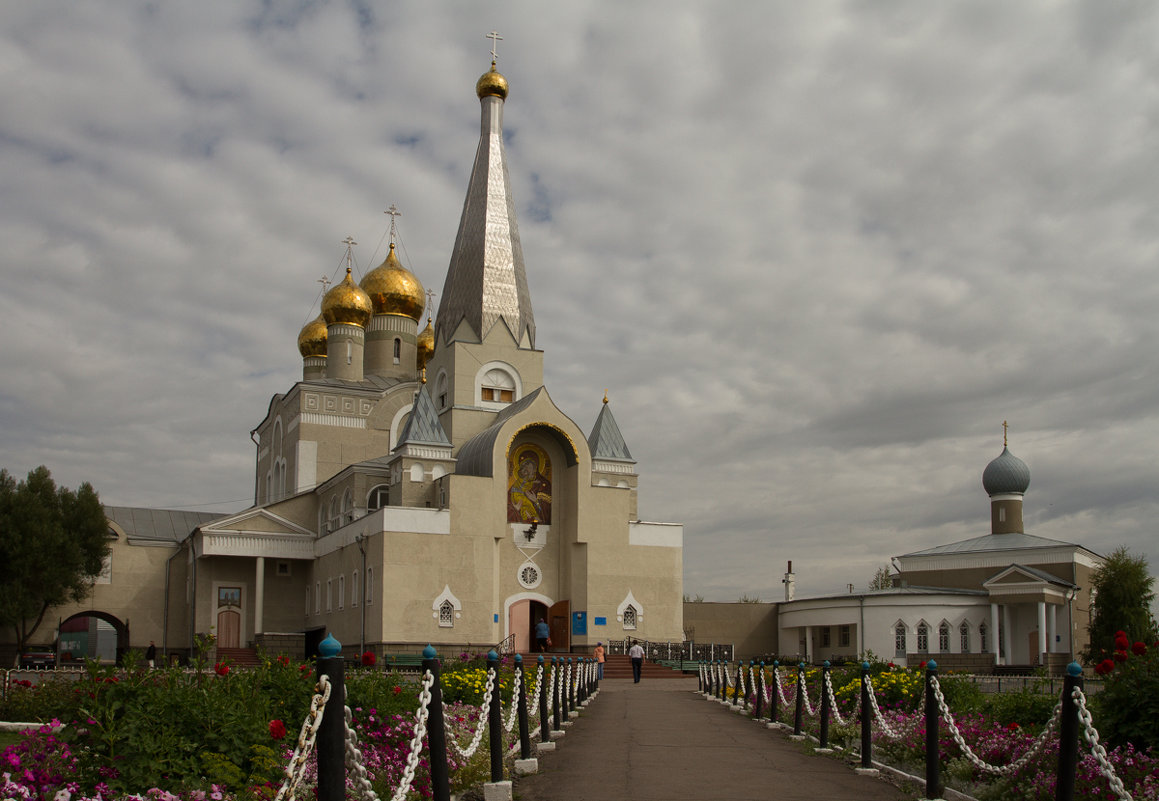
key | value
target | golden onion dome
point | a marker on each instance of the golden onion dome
(393, 289)
(312, 339)
(426, 344)
(491, 84)
(346, 303)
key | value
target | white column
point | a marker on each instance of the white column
(994, 632)
(1053, 645)
(259, 594)
(1042, 633)
(1007, 638)
(809, 645)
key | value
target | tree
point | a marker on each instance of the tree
(882, 580)
(1122, 591)
(53, 543)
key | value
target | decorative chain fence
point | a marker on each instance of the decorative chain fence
(1070, 719)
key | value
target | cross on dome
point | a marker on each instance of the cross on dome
(394, 213)
(495, 39)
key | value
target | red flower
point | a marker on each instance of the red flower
(277, 729)
(1120, 656)
(1104, 667)
(922, 664)
(1121, 641)
(368, 659)
(397, 690)
(1138, 649)
(283, 660)
(1011, 726)
(221, 669)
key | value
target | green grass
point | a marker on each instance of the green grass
(8, 738)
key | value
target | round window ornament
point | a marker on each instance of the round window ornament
(529, 575)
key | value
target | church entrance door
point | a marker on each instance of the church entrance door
(1032, 647)
(558, 618)
(228, 629)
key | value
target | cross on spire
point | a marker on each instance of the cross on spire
(430, 302)
(349, 243)
(495, 39)
(394, 213)
(1004, 427)
(325, 282)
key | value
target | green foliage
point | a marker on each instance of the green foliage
(53, 541)
(962, 695)
(1123, 590)
(882, 580)
(52, 698)
(1126, 710)
(749, 599)
(1028, 708)
(388, 693)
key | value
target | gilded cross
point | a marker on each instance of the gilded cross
(430, 302)
(325, 282)
(1004, 427)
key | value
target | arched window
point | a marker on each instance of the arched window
(899, 640)
(348, 506)
(397, 350)
(342, 591)
(923, 638)
(983, 638)
(447, 614)
(354, 588)
(964, 634)
(944, 637)
(441, 396)
(317, 597)
(498, 387)
(378, 498)
(629, 617)
(369, 586)
(334, 522)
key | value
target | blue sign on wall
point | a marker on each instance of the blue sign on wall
(496, 617)
(579, 622)
(601, 621)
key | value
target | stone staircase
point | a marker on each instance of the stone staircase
(238, 657)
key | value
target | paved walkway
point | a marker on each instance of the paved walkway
(662, 741)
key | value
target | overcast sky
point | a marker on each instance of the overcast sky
(816, 252)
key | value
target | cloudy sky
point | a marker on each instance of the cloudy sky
(816, 252)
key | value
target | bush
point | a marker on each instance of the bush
(1127, 708)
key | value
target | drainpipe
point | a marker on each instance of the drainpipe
(165, 614)
(361, 540)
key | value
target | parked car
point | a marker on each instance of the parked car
(38, 659)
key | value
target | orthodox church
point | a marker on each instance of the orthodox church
(415, 486)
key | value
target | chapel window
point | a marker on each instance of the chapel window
(498, 387)
(447, 614)
(944, 637)
(341, 592)
(983, 638)
(354, 588)
(844, 636)
(923, 638)
(964, 632)
(629, 617)
(899, 640)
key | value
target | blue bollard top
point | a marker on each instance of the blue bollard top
(492, 656)
(826, 664)
(776, 663)
(865, 665)
(801, 666)
(519, 659)
(1074, 669)
(569, 660)
(329, 647)
(429, 652)
(932, 666)
(762, 663)
(539, 659)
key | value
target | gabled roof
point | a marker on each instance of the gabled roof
(256, 519)
(422, 425)
(1015, 571)
(606, 441)
(159, 525)
(993, 542)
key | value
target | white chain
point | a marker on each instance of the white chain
(885, 728)
(416, 742)
(510, 724)
(833, 703)
(354, 762)
(539, 688)
(766, 691)
(779, 686)
(306, 738)
(728, 682)
(1091, 735)
(1001, 770)
(803, 689)
(484, 711)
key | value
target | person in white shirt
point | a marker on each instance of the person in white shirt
(637, 654)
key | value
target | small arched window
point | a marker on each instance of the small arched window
(983, 638)
(964, 635)
(944, 637)
(348, 506)
(498, 387)
(899, 640)
(397, 350)
(447, 614)
(629, 617)
(923, 638)
(378, 498)
(441, 394)
(354, 588)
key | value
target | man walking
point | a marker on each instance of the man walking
(637, 654)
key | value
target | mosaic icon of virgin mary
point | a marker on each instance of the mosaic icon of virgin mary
(529, 485)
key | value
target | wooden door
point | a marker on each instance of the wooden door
(559, 619)
(1032, 647)
(228, 629)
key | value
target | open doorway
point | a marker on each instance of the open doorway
(521, 619)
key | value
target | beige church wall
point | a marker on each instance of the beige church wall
(176, 634)
(750, 628)
(301, 510)
(217, 571)
(342, 618)
(285, 597)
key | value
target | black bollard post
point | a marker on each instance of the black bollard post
(701, 681)
(933, 782)
(774, 696)
(555, 688)
(722, 681)
(331, 742)
(495, 721)
(866, 720)
(826, 709)
(565, 698)
(541, 691)
(572, 679)
(760, 691)
(1068, 734)
(524, 730)
(436, 730)
(582, 680)
(801, 690)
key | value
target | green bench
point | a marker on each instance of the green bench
(403, 661)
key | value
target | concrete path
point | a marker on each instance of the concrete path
(662, 741)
